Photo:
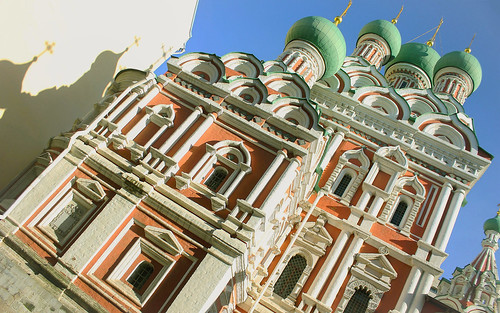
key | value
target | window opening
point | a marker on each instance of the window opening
(216, 178)
(290, 276)
(403, 84)
(342, 186)
(399, 213)
(141, 275)
(359, 301)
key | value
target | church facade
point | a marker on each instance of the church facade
(315, 182)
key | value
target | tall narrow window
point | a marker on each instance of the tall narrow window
(216, 178)
(290, 276)
(342, 186)
(141, 275)
(359, 301)
(399, 213)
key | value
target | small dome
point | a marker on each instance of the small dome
(464, 61)
(492, 224)
(324, 36)
(388, 31)
(418, 54)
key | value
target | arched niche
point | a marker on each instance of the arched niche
(288, 84)
(246, 64)
(207, 66)
(250, 90)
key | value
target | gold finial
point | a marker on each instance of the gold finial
(338, 19)
(430, 43)
(136, 42)
(49, 47)
(498, 212)
(468, 50)
(395, 20)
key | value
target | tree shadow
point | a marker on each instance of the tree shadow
(30, 121)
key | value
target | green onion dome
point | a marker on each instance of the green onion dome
(463, 61)
(418, 54)
(492, 224)
(325, 36)
(386, 30)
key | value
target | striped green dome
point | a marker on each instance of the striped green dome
(464, 61)
(324, 35)
(418, 54)
(492, 224)
(388, 31)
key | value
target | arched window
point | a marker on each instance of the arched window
(216, 178)
(342, 186)
(141, 275)
(290, 276)
(359, 301)
(399, 213)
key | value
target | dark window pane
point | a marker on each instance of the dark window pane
(342, 186)
(216, 178)
(141, 275)
(398, 215)
(358, 302)
(290, 276)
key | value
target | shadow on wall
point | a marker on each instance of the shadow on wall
(30, 121)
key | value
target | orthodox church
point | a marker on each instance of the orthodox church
(316, 182)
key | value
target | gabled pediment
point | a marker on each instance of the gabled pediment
(164, 238)
(91, 188)
(374, 268)
(378, 262)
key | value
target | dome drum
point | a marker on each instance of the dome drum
(373, 49)
(454, 82)
(406, 75)
(324, 36)
(414, 59)
(461, 73)
(380, 36)
(304, 59)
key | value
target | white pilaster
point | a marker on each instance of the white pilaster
(342, 271)
(271, 170)
(408, 291)
(334, 145)
(437, 213)
(331, 260)
(422, 290)
(281, 186)
(449, 221)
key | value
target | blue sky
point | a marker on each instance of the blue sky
(259, 27)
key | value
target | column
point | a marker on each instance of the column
(332, 148)
(341, 274)
(271, 170)
(242, 171)
(423, 289)
(363, 200)
(331, 260)
(139, 105)
(408, 291)
(449, 221)
(181, 130)
(281, 186)
(437, 213)
(376, 205)
(188, 144)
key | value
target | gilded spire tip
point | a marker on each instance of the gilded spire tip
(395, 20)
(430, 43)
(338, 19)
(468, 50)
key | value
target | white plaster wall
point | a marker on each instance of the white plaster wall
(41, 97)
